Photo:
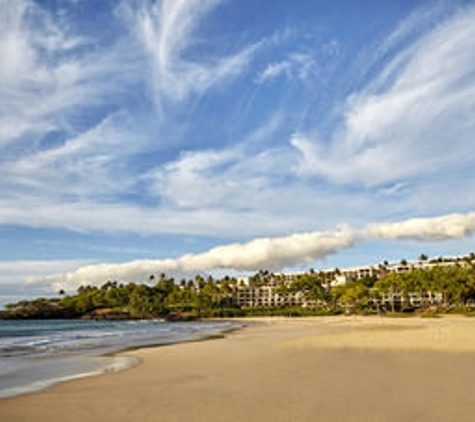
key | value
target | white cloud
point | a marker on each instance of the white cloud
(46, 76)
(452, 226)
(247, 192)
(298, 65)
(417, 22)
(191, 181)
(167, 30)
(270, 253)
(117, 217)
(86, 163)
(240, 177)
(22, 270)
(229, 179)
(414, 119)
(267, 253)
(20, 279)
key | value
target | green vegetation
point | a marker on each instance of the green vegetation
(161, 298)
(428, 292)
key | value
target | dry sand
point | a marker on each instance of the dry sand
(322, 369)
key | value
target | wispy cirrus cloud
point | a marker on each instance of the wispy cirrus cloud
(299, 65)
(246, 191)
(167, 30)
(400, 125)
(51, 84)
(48, 77)
(86, 163)
(50, 81)
(419, 21)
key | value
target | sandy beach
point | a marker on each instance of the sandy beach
(315, 369)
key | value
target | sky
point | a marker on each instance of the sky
(185, 136)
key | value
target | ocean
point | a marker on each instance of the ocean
(35, 354)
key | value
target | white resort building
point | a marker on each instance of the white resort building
(270, 295)
(275, 292)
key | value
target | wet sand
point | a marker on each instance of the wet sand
(320, 369)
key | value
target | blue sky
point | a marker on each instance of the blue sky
(139, 132)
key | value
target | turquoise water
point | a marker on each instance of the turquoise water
(36, 354)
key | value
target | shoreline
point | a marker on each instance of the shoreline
(280, 370)
(36, 373)
(115, 363)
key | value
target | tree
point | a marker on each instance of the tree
(352, 294)
(390, 285)
(311, 286)
(261, 278)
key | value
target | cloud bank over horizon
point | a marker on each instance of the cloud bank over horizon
(274, 254)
